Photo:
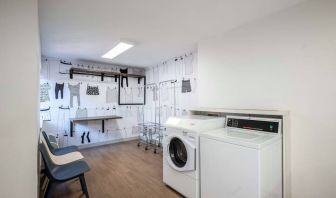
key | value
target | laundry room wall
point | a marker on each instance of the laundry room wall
(57, 120)
(165, 96)
(284, 62)
(19, 82)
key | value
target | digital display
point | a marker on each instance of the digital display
(257, 125)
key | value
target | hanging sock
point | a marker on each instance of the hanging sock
(87, 137)
(83, 137)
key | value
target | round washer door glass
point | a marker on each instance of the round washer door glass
(178, 152)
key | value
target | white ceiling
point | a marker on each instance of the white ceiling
(161, 29)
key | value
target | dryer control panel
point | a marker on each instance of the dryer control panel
(255, 124)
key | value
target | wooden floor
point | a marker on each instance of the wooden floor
(120, 170)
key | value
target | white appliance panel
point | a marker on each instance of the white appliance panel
(235, 179)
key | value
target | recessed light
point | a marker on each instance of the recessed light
(117, 50)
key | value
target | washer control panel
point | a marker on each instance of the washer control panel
(255, 124)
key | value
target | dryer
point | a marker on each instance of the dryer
(181, 151)
(242, 160)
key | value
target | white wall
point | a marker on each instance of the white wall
(284, 62)
(20, 60)
(181, 68)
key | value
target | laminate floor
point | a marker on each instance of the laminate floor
(120, 170)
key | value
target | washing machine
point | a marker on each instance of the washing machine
(244, 159)
(181, 151)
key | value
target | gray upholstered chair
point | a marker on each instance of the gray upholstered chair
(63, 173)
(58, 151)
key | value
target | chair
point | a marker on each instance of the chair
(63, 173)
(58, 151)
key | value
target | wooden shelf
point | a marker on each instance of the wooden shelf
(102, 74)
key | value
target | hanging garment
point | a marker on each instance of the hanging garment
(87, 137)
(186, 86)
(83, 135)
(82, 113)
(155, 93)
(140, 115)
(45, 114)
(111, 95)
(45, 70)
(128, 95)
(188, 65)
(169, 112)
(128, 111)
(63, 120)
(140, 91)
(179, 66)
(114, 110)
(138, 95)
(59, 88)
(164, 92)
(74, 91)
(91, 90)
(44, 92)
(124, 71)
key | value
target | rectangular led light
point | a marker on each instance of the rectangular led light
(117, 50)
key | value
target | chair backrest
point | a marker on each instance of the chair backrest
(46, 158)
(51, 148)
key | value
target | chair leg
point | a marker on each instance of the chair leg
(83, 184)
(47, 192)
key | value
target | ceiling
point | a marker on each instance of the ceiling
(87, 29)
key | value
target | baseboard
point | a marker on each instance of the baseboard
(84, 146)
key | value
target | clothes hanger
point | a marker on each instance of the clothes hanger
(65, 63)
(61, 107)
(46, 109)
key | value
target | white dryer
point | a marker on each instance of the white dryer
(242, 160)
(181, 151)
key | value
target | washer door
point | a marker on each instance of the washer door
(181, 154)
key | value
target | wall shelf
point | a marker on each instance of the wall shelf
(116, 75)
(102, 74)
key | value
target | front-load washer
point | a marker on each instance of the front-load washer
(181, 151)
(242, 160)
